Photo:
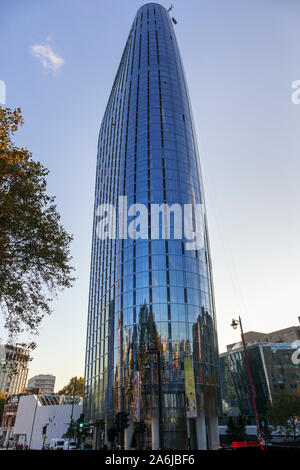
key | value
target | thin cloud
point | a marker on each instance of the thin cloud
(49, 59)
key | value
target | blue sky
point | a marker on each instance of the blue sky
(240, 58)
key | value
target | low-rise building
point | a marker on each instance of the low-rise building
(44, 382)
(273, 370)
(8, 421)
(9, 418)
(37, 411)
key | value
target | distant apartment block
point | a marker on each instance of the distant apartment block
(272, 369)
(287, 335)
(44, 382)
(14, 371)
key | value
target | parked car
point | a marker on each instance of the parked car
(57, 444)
(70, 446)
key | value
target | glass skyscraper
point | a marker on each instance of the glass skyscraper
(151, 337)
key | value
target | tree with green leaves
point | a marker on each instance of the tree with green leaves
(266, 432)
(74, 387)
(34, 246)
(71, 431)
(284, 413)
(230, 431)
(241, 429)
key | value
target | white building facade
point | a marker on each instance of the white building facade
(36, 411)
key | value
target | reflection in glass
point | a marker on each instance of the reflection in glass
(150, 294)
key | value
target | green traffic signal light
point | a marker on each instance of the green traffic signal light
(80, 422)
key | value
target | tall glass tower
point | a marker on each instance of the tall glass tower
(151, 345)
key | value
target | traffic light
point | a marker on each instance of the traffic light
(140, 427)
(80, 423)
(118, 422)
(121, 421)
(44, 430)
(125, 420)
(111, 434)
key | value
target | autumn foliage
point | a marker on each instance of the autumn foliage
(34, 247)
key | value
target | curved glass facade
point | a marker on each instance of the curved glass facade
(151, 301)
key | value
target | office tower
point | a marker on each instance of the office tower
(13, 370)
(151, 337)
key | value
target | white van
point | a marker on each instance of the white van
(57, 444)
(71, 446)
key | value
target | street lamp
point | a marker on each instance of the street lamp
(44, 432)
(72, 409)
(234, 325)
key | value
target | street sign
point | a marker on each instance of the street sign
(45, 437)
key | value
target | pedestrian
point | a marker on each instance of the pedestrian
(188, 444)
